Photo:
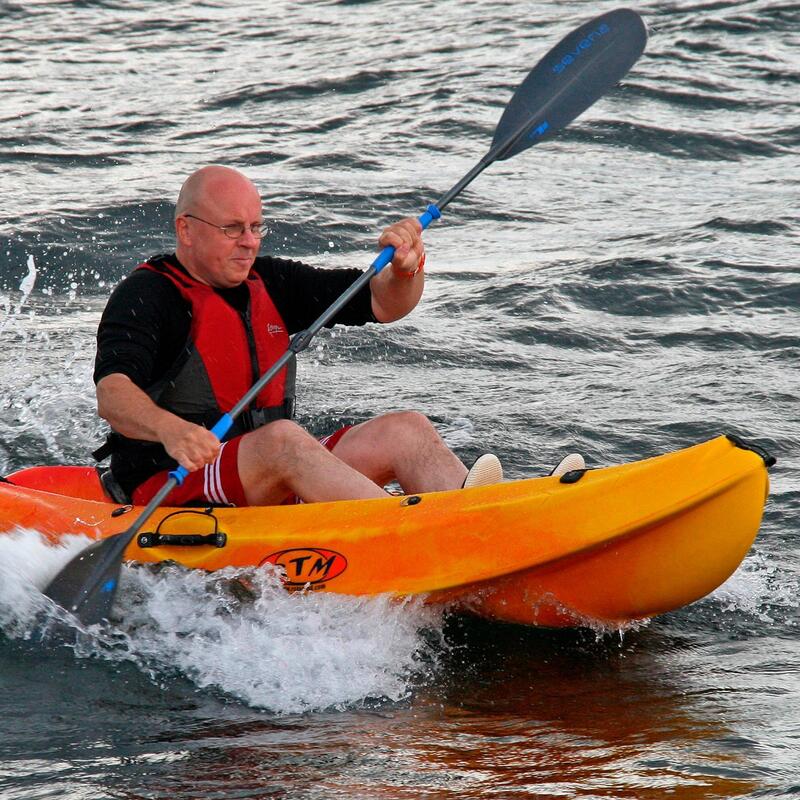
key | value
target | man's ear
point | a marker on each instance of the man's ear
(182, 232)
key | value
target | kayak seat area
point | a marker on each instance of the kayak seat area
(82, 482)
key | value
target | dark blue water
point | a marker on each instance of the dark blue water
(626, 289)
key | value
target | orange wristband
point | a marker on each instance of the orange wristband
(410, 275)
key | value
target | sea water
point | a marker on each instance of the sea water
(626, 289)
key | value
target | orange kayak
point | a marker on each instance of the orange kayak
(605, 546)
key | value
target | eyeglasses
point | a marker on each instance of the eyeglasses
(236, 229)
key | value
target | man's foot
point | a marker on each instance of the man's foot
(486, 470)
(572, 462)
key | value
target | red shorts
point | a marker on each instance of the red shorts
(217, 483)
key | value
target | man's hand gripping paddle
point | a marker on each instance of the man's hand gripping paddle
(572, 76)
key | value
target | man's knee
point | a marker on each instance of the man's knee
(408, 424)
(279, 438)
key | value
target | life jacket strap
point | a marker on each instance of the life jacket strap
(254, 418)
(105, 449)
(110, 485)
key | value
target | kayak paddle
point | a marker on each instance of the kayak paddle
(573, 75)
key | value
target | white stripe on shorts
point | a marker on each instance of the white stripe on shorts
(212, 480)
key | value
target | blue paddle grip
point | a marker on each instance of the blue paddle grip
(385, 256)
(431, 213)
(224, 424)
(179, 473)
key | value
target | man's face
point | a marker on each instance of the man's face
(208, 252)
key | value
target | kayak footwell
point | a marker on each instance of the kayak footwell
(617, 544)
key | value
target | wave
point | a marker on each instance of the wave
(674, 143)
(355, 83)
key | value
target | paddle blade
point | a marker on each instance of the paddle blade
(87, 585)
(569, 79)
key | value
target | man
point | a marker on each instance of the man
(184, 336)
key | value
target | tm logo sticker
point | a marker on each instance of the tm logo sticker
(308, 565)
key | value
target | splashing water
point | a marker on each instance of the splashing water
(27, 564)
(11, 311)
(235, 631)
(26, 287)
(758, 588)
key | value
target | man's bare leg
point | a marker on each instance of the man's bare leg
(281, 459)
(402, 446)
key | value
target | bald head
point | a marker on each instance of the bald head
(213, 201)
(206, 184)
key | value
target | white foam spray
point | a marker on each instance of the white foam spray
(27, 564)
(237, 631)
(11, 311)
(760, 589)
(26, 286)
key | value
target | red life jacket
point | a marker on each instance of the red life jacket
(227, 352)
